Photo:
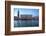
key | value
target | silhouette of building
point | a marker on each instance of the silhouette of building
(18, 13)
(26, 16)
(35, 18)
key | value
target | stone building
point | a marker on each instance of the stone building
(26, 16)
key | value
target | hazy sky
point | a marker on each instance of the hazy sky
(22, 11)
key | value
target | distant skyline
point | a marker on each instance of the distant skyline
(26, 11)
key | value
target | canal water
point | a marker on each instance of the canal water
(26, 23)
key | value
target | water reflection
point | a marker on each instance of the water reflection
(26, 23)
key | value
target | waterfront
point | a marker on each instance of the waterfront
(25, 17)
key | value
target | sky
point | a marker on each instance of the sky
(23, 11)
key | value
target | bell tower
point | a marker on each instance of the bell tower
(18, 13)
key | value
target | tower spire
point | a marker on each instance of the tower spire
(18, 13)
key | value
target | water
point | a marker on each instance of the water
(26, 23)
